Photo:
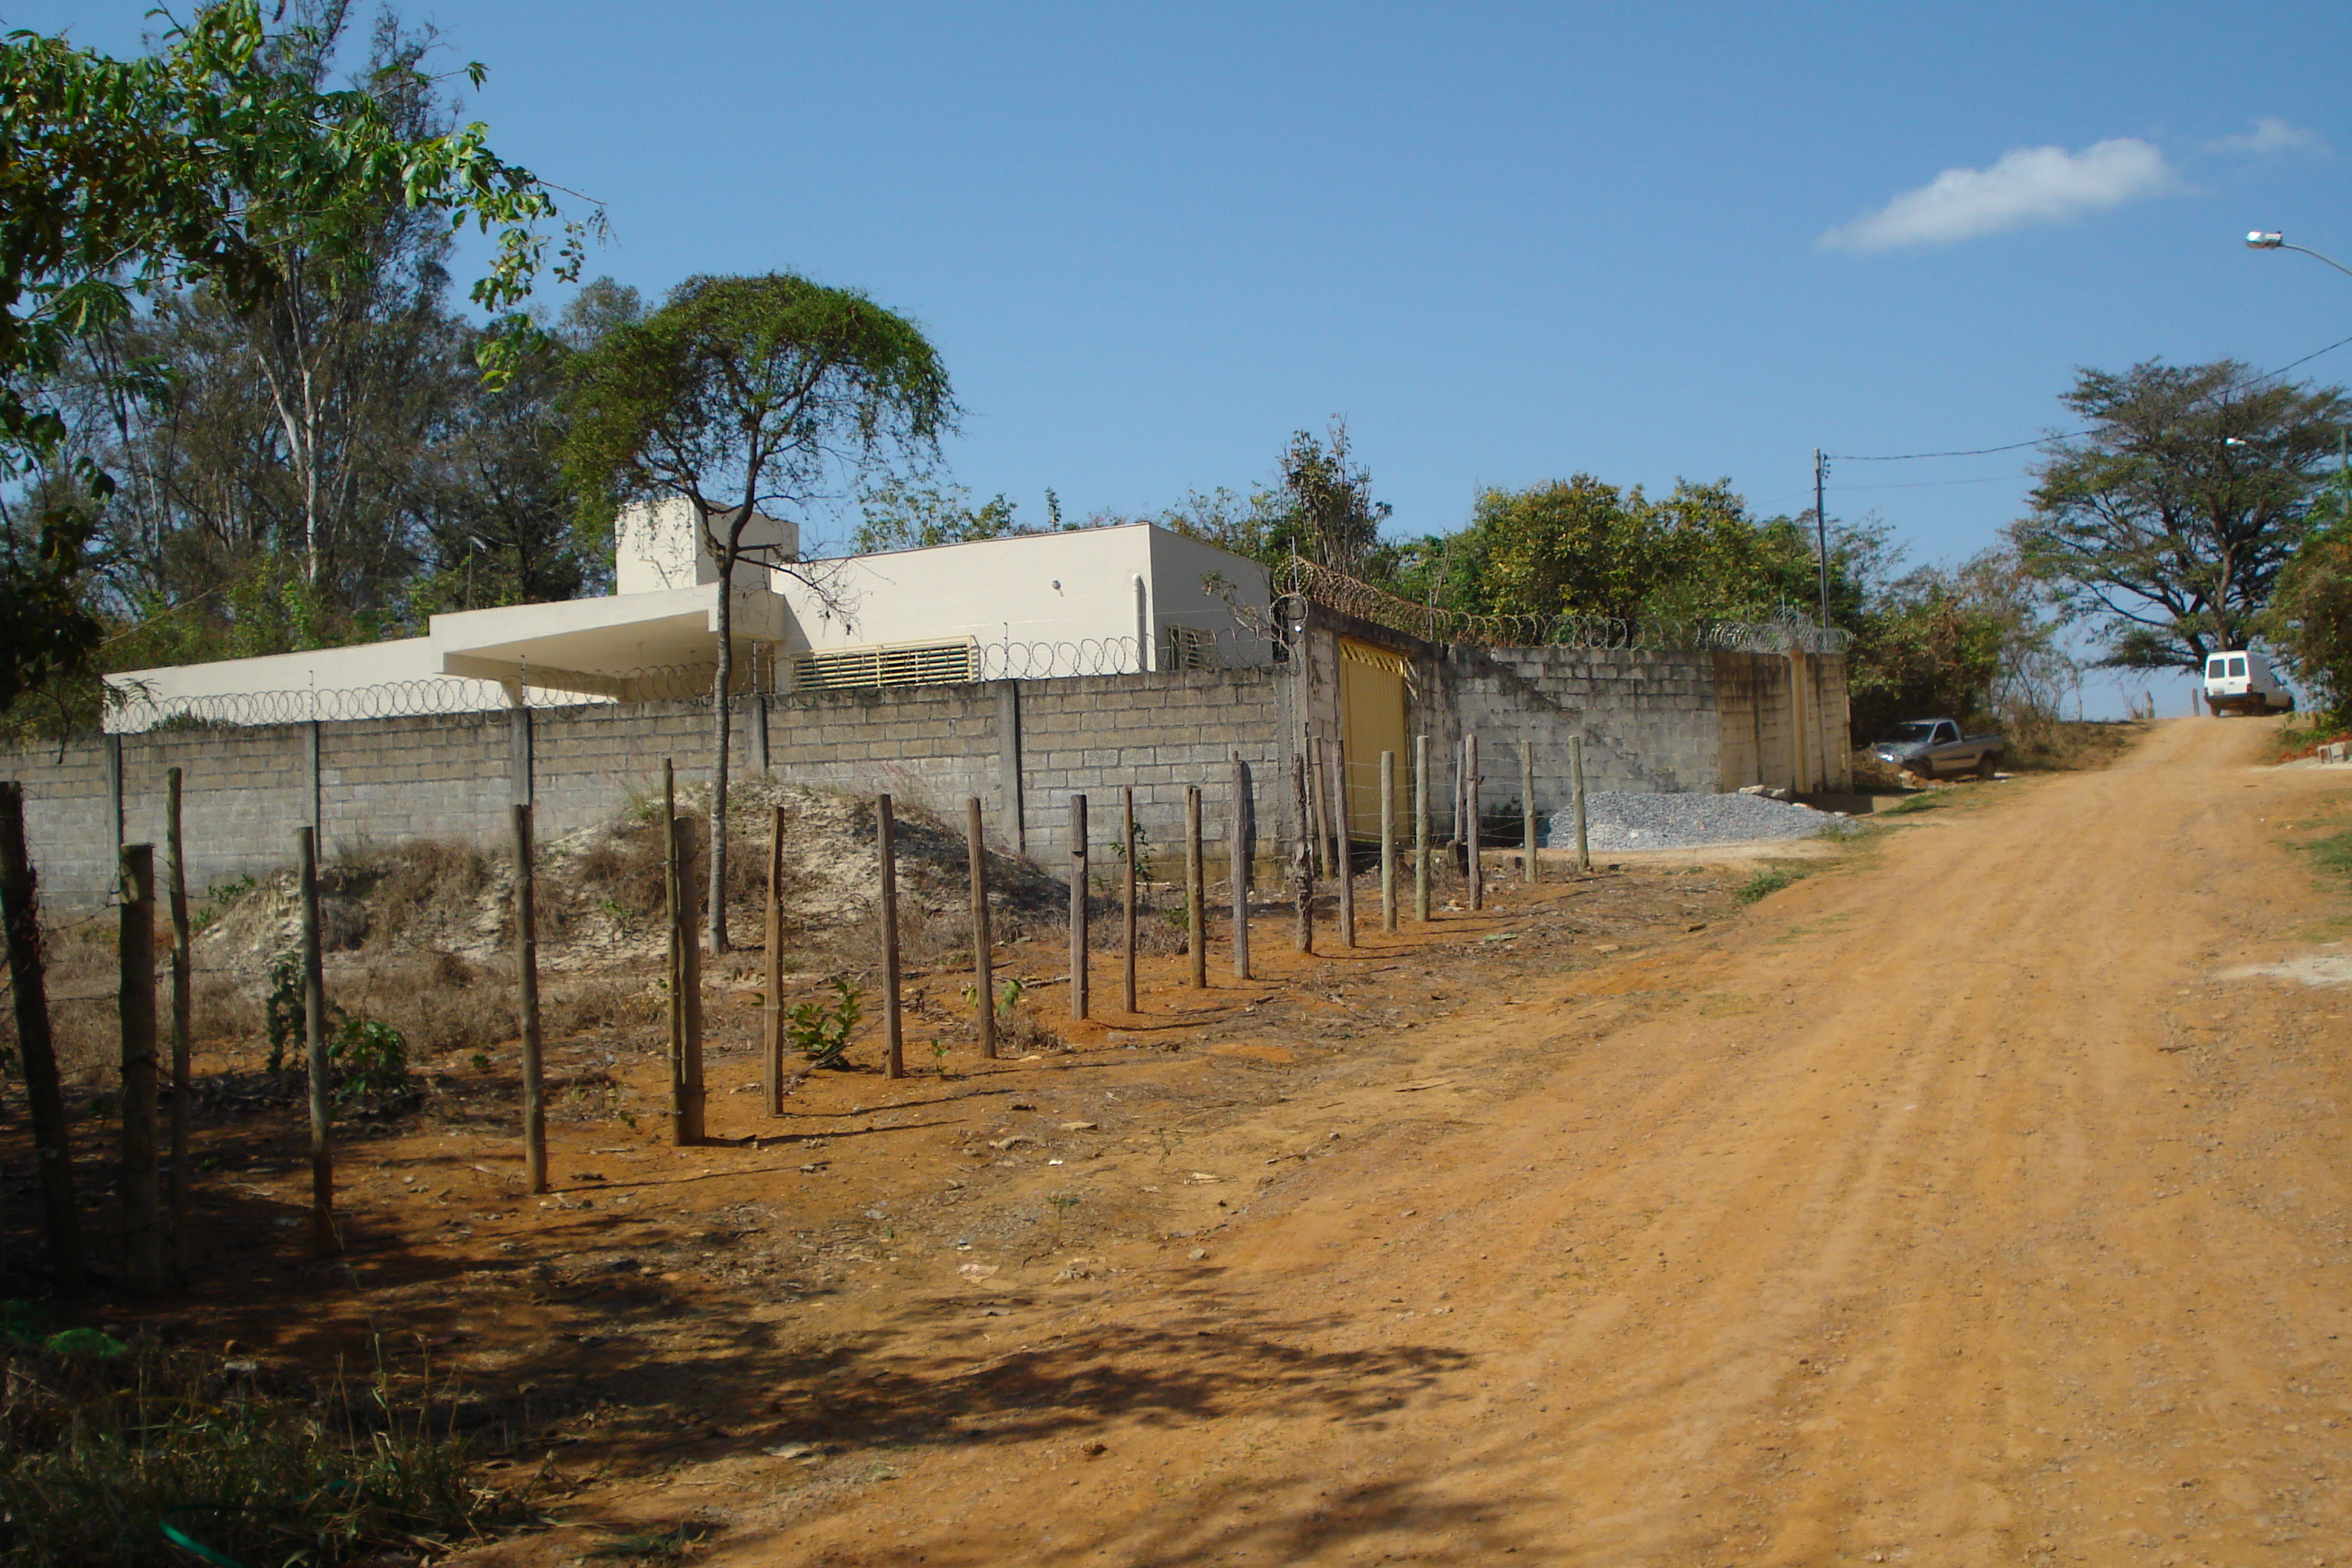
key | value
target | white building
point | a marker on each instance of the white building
(1092, 601)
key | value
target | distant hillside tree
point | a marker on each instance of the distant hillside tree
(2166, 524)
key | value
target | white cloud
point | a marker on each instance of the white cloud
(2028, 185)
(2270, 138)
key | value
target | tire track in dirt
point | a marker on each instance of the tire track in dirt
(1891, 1225)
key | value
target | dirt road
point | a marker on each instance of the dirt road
(1948, 1210)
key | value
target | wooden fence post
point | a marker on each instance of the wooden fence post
(1576, 789)
(984, 959)
(1318, 820)
(1343, 844)
(1455, 840)
(1080, 1004)
(673, 891)
(20, 905)
(1302, 857)
(1126, 830)
(534, 1074)
(1237, 862)
(894, 1035)
(1421, 829)
(773, 968)
(183, 1015)
(1196, 891)
(1388, 842)
(1475, 869)
(314, 1041)
(1528, 806)
(695, 1099)
(142, 1199)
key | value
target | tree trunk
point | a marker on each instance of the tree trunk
(722, 706)
(723, 713)
(44, 1098)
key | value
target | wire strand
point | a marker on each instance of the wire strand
(1972, 452)
(2039, 441)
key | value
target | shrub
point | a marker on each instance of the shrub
(820, 1033)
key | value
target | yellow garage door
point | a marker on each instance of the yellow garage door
(1372, 720)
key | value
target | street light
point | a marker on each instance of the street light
(2271, 240)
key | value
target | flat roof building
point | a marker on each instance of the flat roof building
(1093, 601)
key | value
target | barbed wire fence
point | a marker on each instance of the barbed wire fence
(1252, 639)
(135, 709)
(1350, 595)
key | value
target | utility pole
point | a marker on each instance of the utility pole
(1822, 525)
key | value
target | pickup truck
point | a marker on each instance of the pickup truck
(1930, 746)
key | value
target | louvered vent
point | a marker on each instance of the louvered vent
(1191, 648)
(894, 664)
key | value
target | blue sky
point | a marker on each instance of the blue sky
(1506, 243)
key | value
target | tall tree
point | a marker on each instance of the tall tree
(210, 162)
(1334, 521)
(2166, 522)
(744, 395)
(2310, 618)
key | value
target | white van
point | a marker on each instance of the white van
(2241, 682)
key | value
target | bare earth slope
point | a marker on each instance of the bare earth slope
(1949, 1210)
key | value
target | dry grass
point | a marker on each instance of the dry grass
(103, 1447)
(2066, 745)
(2036, 745)
(424, 889)
(1871, 776)
(82, 976)
(2303, 737)
(422, 933)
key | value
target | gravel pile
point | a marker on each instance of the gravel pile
(1688, 821)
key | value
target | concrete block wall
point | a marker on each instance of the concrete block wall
(69, 820)
(588, 762)
(1158, 733)
(1833, 729)
(384, 781)
(927, 746)
(1023, 747)
(1753, 713)
(1652, 721)
(1648, 719)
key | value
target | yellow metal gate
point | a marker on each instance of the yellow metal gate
(1373, 721)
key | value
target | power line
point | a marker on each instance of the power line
(2014, 445)
(2306, 359)
(1973, 452)
(1935, 484)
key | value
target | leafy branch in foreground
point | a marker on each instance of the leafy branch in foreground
(218, 161)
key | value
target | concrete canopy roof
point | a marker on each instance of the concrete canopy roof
(608, 646)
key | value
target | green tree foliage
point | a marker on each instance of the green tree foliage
(1580, 547)
(2166, 523)
(1256, 526)
(914, 512)
(1328, 514)
(2310, 618)
(1972, 642)
(744, 395)
(1321, 506)
(219, 162)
